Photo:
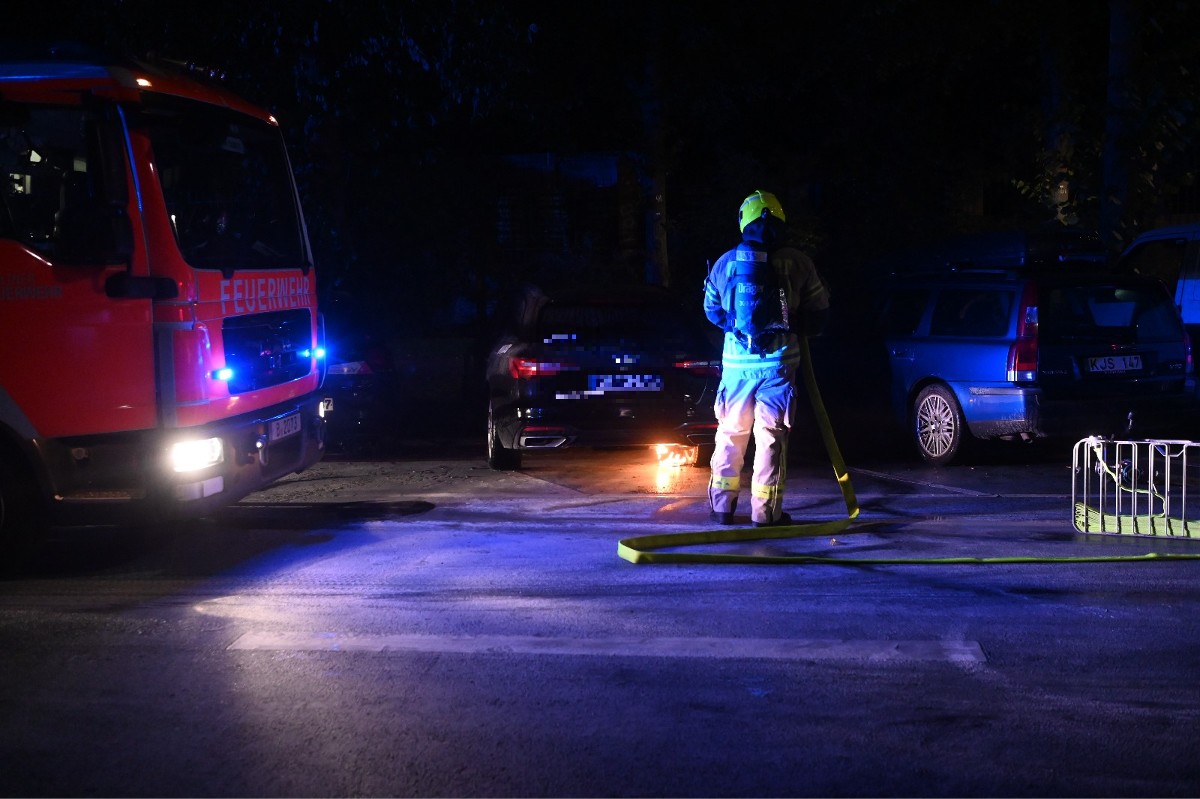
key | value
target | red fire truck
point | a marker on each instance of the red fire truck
(160, 344)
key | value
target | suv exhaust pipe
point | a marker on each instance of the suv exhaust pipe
(542, 438)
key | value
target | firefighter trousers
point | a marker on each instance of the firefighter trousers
(762, 407)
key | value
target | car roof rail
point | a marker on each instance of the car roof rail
(942, 270)
(1015, 252)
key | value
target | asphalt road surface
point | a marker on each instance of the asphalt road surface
(423, 626)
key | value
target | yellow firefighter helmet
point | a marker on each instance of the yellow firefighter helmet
(758, 205)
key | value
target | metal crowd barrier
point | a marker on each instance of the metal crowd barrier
(1136, 487)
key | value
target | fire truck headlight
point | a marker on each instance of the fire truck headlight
(188, 456)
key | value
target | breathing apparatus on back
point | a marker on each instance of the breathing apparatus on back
(760, 310)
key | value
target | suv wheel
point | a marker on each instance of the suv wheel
(938, 426)
(498, 457)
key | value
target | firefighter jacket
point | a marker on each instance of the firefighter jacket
(807, 300)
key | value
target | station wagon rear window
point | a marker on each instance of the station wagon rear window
(1118, 313)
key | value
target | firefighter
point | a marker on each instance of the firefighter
(762, 275)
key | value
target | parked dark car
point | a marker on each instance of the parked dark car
(616, 367)
(1023, 349)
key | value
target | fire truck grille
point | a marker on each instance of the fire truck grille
(267, 349)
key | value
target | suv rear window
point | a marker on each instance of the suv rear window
(1161, 259)
(578, 324)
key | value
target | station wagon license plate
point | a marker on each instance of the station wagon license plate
(1115, 363)
(625, 383)
(282, 428)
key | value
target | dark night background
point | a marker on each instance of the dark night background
(449, 151)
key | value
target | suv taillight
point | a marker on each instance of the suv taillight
(1023, 354)
(525, 368)
(700, 368)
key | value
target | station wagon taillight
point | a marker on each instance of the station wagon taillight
(1023, 354)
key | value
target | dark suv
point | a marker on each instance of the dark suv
(1022, 348)
(609, 367)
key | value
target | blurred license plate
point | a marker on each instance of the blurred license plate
(1115, 363)
(625, 383)
(282, 428)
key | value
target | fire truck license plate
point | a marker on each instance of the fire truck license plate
(282, 428)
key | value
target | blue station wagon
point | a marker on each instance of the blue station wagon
(1032, 351)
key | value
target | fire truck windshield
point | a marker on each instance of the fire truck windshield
(227, 185)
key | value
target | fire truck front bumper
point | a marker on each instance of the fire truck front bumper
(153, 476)
(249, 453)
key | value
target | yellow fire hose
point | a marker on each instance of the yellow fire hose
(644, 549)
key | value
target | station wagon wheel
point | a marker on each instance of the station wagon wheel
(498, 457)
(938, 426)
